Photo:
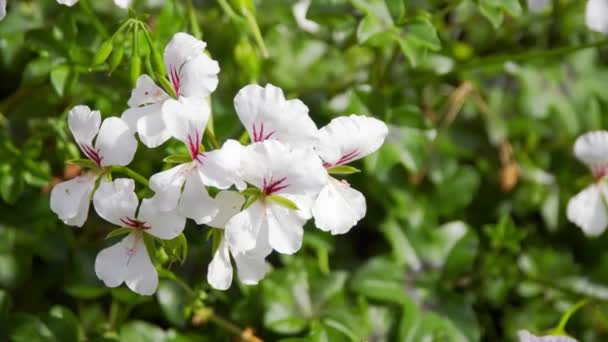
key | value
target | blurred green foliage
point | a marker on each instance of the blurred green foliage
(465, 237)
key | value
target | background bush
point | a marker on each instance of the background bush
(465, 237)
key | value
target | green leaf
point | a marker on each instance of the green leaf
(369, 27)
(85, 291)
(423, 34)
(173, 301)
(11, 183)
(119, 232)
(343, 170)
(177, 159)
(461, 259)
(280, 200)
(251, 192)
(139, 331)
(380, 279)
(492, 13)
(286, 301)
(397, 9)
(63, 323)
(86, 163)
(59, 76)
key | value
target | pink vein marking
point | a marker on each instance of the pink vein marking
(259, 135)
(343, 160)
(175, 79)
(200, 157)
(92, 153)
(599, 171)
(270, 187)
(194, 144)
(135, 224)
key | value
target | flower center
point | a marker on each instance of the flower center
(270, 187)
(194, 144)
(175, 79)
(258, 133)
(343, 160)
(599, 171)
(135, 224)
(92, 153)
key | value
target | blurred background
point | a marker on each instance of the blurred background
(465, 237)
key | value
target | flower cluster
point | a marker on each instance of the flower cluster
(266, 191)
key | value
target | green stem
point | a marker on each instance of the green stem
(566, 317)
(229, 11)
(255, 30)
(86, 6)
(131, 173)
(194, 26)
(225, 324)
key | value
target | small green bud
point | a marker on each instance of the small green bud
(105, 49)
(116, 58)
(135, 68)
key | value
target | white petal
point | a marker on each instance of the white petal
(299, 171)
(285, 228)
(266, 114)
(115, 142)
(186, 120)
(148, 122)
(116, 200)
(168, 185)
(146, 92)
(348, 138)
(198, 77)
(70, 200)
(111, 262)
(221, 168)
(141, 276)
(164, 225)
(588, 210)
(2, 9)
(181, 49)
(84, 124)
(67, 2)
(122, 3)
(525, 336)
(195, 202)
(229, 204)
(338, 207)
(299, 10)
(596, 15)
(242, 230)
(219, 273)
(592, 148)
(251, 266)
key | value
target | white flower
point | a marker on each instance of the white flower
(119, 3)
(251, 265)
(114, 145)
(2, 9)
(345, 139)
(266, 114)
(128, 261)
(183, 186)
(276, 169)
(525, 336)
(192, 74)
(538, 6)
(596, 15)
(299, 10)
(588, 208)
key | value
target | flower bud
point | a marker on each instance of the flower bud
(103, 53)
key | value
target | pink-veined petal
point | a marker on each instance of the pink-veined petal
(229, 204)
(592, 149)
(164, 225)
(348, 138)
(181, 49)
(219, 272)
(221, 168)
(141, 275)
(146, 92)
(242, 229)
(338, 207)
(115, 142)
(285, 228)
(70, 200)
(84, 124)
(195, 202)
(186, 120)
(167, 186)
(266, 114)
(198, 77)
(115, 201)
(111, 262)
(587, 209)
(596, 15)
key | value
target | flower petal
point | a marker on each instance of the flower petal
(592, 148)
(219, 273)
(146, 92)
(111, 262)
(2, 9)
(242, 229)
(251, 266)
(122, 3)
(221, 168)
(229, 204)
(266, 114)
(181, 49)
(141, 276)
(84, 124)
(69, 3)
(186, 120)
(299, 10)
(285, 228)
(349, 138)
(167, 186)
(195, 202)
(525, 336)
(588, 210)
(166, 225)
(198, 77)
(116, 200)
(338, 207)
(115, 142)
(70, 200)
(596, 15)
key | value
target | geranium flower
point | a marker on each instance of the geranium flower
(251, 265)
(276, 170)
(192, 74)
(183, 186)
(596, 15)
(119, 3)
(345, 139)
(128, 261)
(526, 336)
(588, 208)
(266, 114)
(114, 145)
